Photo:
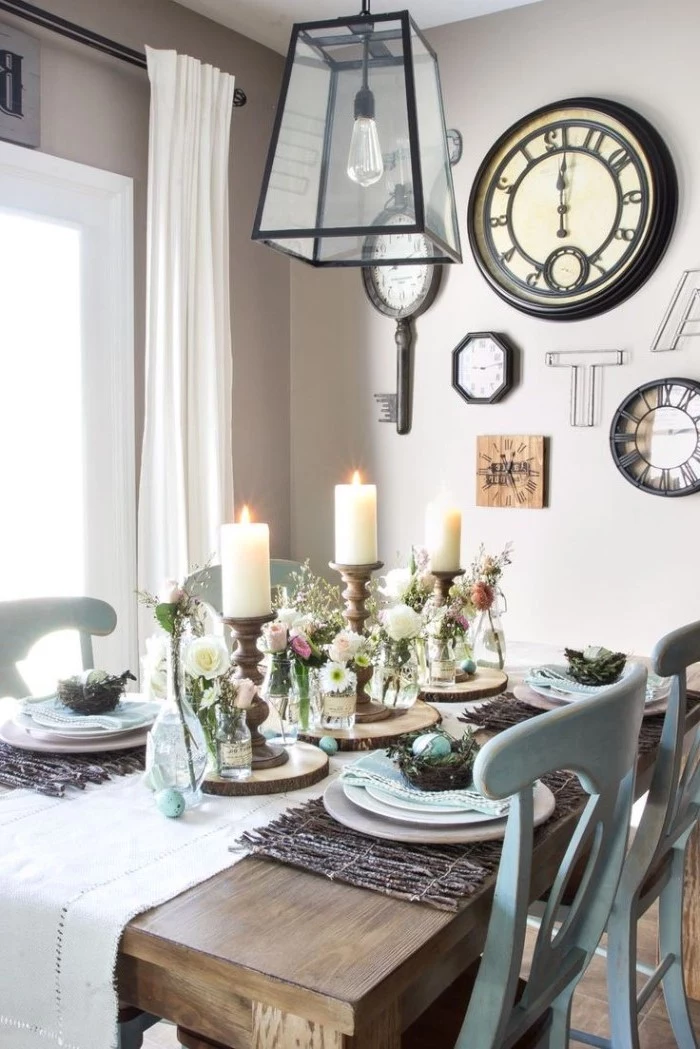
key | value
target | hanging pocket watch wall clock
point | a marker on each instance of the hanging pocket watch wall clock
(401, 292)
(573, 208)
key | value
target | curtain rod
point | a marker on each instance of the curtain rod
(63, 27)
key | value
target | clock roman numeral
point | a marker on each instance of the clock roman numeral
(629, 458)
(593, 140)
(665, 395)
(522, 448)
(636, 419)
(509, 501)
(531, 485)
(521, 496)
(686, 397)
(624, 438)
(688, 473)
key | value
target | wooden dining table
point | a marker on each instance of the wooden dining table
(265, 955)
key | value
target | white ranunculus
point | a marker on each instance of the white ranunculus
(402, 623)
(289, 616)
(206, 657)
(396, 583)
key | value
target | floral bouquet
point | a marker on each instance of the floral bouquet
(480, 589)
(410, 586)
(393, 641)
(206, 663)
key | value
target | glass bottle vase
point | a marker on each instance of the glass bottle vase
(337, 709)
(489, 642)
(396, 680)
(234, 751)
(442, 665)
(279, 692)
(176, 748)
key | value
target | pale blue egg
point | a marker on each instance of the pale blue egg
(170, 802)
(328, 744)
(468, 666)
(431, 745)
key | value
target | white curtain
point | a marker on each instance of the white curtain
(186, 487)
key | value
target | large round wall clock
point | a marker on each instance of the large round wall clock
(572, 208)
(655, 437)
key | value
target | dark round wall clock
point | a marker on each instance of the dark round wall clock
(655, 437)
(573, 208)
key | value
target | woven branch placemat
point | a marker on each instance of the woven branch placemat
(52, 773)
(439, 875)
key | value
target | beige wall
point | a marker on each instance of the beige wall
(604, 563)
(95, 110)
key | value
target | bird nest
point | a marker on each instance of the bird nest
(93, 694)
(595, 666)
(451, 771)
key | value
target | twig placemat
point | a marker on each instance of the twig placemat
(51, 773)
(439, 875)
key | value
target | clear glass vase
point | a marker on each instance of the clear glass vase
(489, 642)
(396, 679)
(280, 693)
(305, 683)
(337, 709)
(176, 749)
(234, 751)
(442, 664)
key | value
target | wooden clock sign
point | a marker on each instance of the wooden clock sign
(510, 471)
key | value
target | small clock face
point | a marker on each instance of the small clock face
(482, 368)
(405, 289)
(510, 471)
(454, 145)
(655, 437)
(572, 208)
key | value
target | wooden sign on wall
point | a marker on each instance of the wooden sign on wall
(19, 87)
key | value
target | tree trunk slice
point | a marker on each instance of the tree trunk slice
(307, 765)
(376, 734)
(482, 685)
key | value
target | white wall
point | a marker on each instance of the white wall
(604, 563)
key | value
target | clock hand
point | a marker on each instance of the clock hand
(562, 209)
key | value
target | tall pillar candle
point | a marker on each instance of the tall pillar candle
(443, 537)
(245, 569)
(355, 523)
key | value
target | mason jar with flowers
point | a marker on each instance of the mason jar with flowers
(395, 681)
(338, 696)
(480, 587)
(233, 743)
(446, 628)
(279, 688)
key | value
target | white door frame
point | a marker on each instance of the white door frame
(100, 203)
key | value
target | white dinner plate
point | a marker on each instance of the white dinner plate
(136, 712)
(420, 806)
(28, 724)
(365, 799)
(49, 736)
(19, 737)
(349, 815)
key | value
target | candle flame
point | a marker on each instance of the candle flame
(356, 479)
(245, 515)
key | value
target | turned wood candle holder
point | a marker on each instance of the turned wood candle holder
(443, 584)
(356, 579)
(246, 656)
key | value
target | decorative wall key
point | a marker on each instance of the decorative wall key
(584, 365)
(682, 318)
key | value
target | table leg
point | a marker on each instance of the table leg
(273, 1029)
(691, 917)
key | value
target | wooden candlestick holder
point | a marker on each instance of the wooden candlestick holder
(356, 578)
(443, 584)
(246, 656)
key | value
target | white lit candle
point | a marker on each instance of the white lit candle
(443, 536)
(355, 523)
(245, 568)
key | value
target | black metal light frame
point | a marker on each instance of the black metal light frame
(418, 203)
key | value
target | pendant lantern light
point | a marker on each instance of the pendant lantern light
(359, 149)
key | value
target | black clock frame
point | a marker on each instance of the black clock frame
(663, 175)
(622, 412)
(508, 367)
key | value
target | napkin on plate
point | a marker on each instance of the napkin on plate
(379, 770)
(556, 678)
(49, 712)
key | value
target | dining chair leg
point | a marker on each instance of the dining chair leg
(557, 1035)
(671, 943)
(622, 975)
(131, 1029)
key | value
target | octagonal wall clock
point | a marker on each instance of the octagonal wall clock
(572, 208)
(483, 367)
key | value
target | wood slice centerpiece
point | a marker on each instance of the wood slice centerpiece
(373, 735)
(356, 579)
(304, 766)
(246, 656)
(484, 684)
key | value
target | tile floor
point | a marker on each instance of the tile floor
(590, 1002)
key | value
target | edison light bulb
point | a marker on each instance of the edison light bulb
(365, 161)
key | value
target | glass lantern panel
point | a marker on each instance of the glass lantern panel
(438, 192)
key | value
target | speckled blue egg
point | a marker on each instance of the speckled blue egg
(468, 666)
(328, 745)
(431, 745)
(170, 802)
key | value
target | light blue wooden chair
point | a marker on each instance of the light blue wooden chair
(206, 582)
(655, 864)
(596, 738)
(24, 622)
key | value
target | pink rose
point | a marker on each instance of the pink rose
(171, 592)
(245, 693)
(275, 637)
(301, 647)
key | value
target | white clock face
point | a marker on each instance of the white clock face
(400, 288)
(482, 367)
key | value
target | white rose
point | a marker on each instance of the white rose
(206, 657)
(289, 616)
(171, 593)
(396, 583)
(345, 646)
(402, 623)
